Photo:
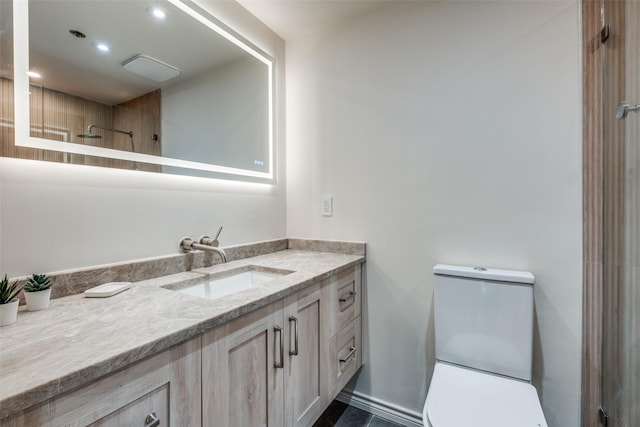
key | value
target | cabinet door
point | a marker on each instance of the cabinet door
(306, 375)
(242, 381)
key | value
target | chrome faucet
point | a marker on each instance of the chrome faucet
(205, 243)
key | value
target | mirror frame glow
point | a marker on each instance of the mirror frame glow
(21, 102)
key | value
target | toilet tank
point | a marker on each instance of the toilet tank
(484, 319)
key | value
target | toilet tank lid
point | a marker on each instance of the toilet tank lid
(485, 273)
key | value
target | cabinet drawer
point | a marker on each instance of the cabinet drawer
(166, 385)
(149, 410)
(345, 299)
(114, 395)
(346, 355)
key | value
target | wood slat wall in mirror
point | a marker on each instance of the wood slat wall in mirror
(59, 116)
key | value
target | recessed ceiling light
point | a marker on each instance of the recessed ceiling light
(156, 12)
(34, 74)
(103, 47)
(78, 34)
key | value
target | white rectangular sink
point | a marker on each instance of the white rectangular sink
(238, 280)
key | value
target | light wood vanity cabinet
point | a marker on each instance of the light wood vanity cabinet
(254, 374)
(165, 387)
(280, 365)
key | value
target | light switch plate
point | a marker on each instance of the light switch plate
(327, 206)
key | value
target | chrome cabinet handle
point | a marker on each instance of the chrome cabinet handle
(279, 364)
(152, 420)
(352, 294)
(352, 351)
(294, 352)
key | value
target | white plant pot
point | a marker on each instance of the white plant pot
(8, 313)
(37, 300)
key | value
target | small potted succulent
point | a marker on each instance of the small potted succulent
(37, 292)
(8, 301)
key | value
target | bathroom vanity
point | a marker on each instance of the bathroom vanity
(275, 354)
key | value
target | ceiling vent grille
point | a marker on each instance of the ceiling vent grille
(150, 68)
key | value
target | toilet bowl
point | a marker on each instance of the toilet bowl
(462, 397)
(484, 335)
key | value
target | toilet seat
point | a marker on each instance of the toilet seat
(461, 397)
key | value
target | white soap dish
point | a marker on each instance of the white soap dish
(107, 289)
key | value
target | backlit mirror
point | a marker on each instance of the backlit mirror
(150, 85)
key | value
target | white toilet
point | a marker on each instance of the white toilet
(484, 335)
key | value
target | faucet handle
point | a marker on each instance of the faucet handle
(207, 240)
(218, 233)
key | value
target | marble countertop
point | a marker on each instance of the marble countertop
(78, 339)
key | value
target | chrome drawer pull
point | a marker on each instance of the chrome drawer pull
(152, 420)
(294, 352)
(352, 352)
(279, 364)
(352, 294)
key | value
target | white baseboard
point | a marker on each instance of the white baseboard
(382, 409)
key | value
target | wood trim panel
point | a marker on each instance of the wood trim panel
(621, 256)
(592, 211)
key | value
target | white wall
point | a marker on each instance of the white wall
(446, 132)
(234, 132)
(55, 216)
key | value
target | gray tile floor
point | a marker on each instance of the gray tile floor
(340, 414)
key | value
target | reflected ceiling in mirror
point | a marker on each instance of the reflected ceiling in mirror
(159, 86)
